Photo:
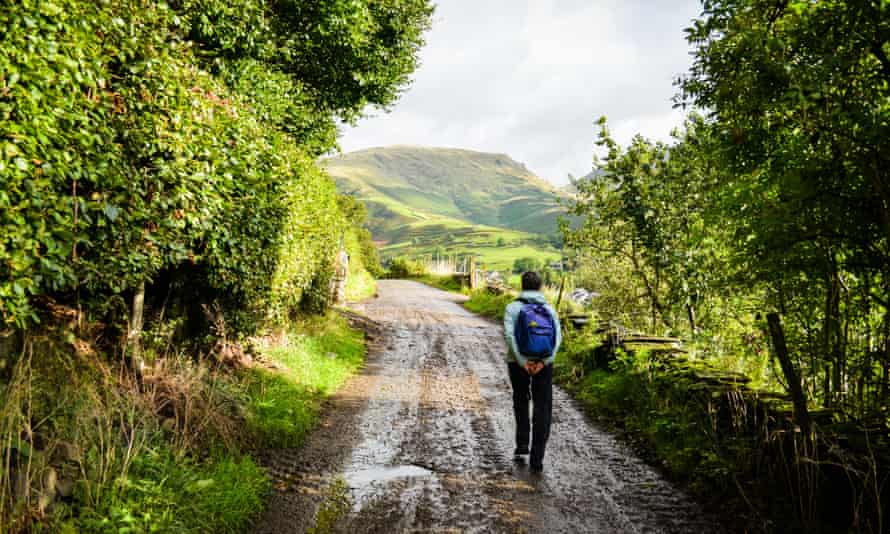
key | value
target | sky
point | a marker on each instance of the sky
(530, 77)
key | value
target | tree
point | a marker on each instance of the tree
(647, 203)
(521, 265)
(808, 154)
(330, 58)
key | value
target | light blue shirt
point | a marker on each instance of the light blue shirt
(512, 314)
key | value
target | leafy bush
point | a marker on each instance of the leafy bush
(405, 268)
(155, 165)
(179, 155)
(489, 305)
(521, 265)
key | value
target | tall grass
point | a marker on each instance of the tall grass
(166, 493)
(87, 445)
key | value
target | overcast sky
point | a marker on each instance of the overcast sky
(529, 78)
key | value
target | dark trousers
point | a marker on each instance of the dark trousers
(538, 388)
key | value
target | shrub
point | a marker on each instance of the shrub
(489, 305)
(186, 146)
(521, 265)
(405, 268)
(156, 164)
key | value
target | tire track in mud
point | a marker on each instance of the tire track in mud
(426, 438)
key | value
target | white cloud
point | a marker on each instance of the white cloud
(530, 78)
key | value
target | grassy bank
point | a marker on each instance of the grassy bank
(445, 283)
(735, 447)
(95, 447)
(318, 355)
(360, 285)
(489, 305)
(663, 413)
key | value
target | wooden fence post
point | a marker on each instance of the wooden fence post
(134, 336)
(472, 273)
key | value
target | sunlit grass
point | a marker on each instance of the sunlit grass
(360, 285)
(320, 355)
(492, 306)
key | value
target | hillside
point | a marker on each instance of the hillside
(423, 200)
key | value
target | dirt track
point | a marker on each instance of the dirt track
(423, 439)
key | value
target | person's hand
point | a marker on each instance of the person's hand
(534, 368)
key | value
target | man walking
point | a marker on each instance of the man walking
(533, 335)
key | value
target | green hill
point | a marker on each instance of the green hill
(426, 200)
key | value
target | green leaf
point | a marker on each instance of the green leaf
(111, 211)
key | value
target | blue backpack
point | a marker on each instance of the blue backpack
(535, 331)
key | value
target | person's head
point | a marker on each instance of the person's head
(531, 281)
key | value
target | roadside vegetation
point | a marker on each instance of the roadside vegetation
(313, 360)
(104, 449)
(168, 244)
(759, 234)
(488, 304)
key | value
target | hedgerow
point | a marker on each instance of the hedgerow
(139, 139)
(157, 161)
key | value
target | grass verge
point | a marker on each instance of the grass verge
(445, 283)
(92, 447)
(360, 286)
(163, 493)
(319, 355)
(735, 448)
(489, 305)
(665, 418)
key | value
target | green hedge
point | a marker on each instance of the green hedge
(128, 150)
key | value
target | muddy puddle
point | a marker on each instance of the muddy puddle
(356, 480)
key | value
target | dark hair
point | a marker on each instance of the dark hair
(531, 281)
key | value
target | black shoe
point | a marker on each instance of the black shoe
(519, 454)
(536, 467)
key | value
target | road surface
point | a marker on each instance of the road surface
(423, 441)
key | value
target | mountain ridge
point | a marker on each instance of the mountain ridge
(451, 200)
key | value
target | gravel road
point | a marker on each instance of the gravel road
(423, 441)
